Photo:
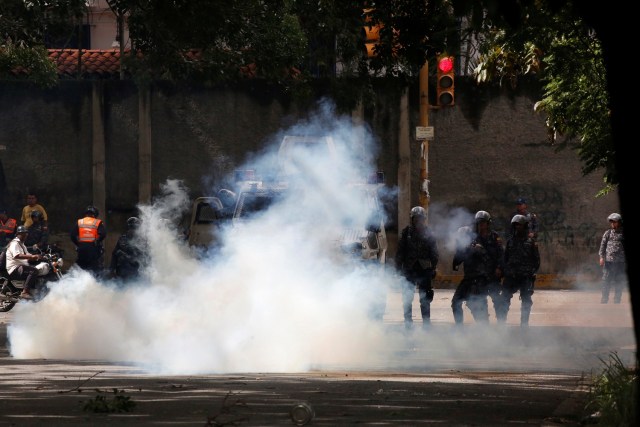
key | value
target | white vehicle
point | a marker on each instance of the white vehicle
(366, 240)
(207, 214)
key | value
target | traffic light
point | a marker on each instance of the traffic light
(445, 83)
(371, 34)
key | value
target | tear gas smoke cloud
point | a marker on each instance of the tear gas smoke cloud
(278, 295)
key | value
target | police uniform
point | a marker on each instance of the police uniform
(521, 262)
(126, 256)
(532, 219)
(417, 259)
(493, 243)
(480, 257)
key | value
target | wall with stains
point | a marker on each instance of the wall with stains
(489, 149)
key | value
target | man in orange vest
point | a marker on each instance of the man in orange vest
(7, 228)
(88, 235)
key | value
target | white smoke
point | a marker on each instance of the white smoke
(278, 295)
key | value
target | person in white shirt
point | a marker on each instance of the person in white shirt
(18, 259)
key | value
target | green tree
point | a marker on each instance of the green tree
(289, 42)
(25, 27)
(565, 54)
(212, 41)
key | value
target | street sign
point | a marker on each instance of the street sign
(424, 132)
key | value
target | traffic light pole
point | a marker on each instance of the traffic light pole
(424, 148)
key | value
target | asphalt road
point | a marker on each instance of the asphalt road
(474, 376)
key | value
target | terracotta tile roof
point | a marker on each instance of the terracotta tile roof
(98, 63)
(105, 64)
(95, 63)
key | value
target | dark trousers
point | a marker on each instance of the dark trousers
(90, 258)
(511, 285)
(613, 276)
(27, 273)
(474, 292)
(422, 280)
(494, 288)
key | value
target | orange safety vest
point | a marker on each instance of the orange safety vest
(88, 229)
(8, 227)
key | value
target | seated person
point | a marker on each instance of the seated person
(18, 262)
(38, 236)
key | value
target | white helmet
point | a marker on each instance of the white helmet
(417, 211)
(519, 219)
(614, 217)
(483, 216)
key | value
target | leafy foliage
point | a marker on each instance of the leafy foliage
(102, 404)
(614, 395)
(228, 41)
(565, 54)
(33, 23)
(291, 43)
(21, 62)
(25, 28)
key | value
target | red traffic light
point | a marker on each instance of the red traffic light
(445, 82)
(445, 65)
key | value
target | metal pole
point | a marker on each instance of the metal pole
(424, 148)
(120, 19)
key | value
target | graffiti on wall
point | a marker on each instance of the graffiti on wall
(558, 226)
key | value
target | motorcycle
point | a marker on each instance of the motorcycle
(49, 270)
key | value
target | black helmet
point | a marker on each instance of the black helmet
(36, 214)
(92, 210)
(133, 223)
(22, 229)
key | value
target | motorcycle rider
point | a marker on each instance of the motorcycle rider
(127, 255)
(417, 259)
(18, 259)
(521, 260)
(88, 235)
(480, 250)
(38, 236)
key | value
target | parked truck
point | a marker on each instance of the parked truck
(253, 195)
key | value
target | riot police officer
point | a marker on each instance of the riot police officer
(480, 250)
(521, 262)
(128, 254)
(416, 259)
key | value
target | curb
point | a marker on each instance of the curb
(543, 281)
